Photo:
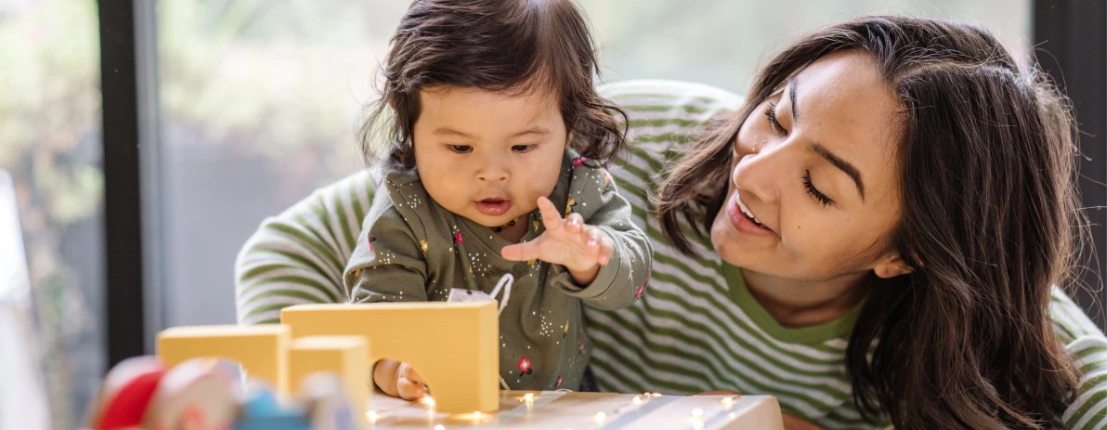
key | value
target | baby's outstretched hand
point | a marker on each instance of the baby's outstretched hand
(581, 248)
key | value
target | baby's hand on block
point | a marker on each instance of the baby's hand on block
(581, 248)
(398, 379)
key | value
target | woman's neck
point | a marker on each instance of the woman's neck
(794, 303)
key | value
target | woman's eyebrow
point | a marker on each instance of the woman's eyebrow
(792, 84)
(842, 165)
(835, 160)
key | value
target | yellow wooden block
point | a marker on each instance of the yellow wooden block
(345, 355)
(262, 350)
(452, 345)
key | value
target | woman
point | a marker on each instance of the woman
(873, 237)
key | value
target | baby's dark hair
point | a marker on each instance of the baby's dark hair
(506, 46)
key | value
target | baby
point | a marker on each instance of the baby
(494, 175)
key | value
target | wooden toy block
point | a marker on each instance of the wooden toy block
(260, 349)
(323, 395)
(262, 411)
(454, 346)
(345, 356)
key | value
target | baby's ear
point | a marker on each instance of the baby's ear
(891, 265)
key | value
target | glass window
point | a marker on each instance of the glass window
(722, 42)
(50, 144)
(260, 100)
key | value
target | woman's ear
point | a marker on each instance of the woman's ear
(891, 265)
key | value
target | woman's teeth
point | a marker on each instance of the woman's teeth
(747, 213)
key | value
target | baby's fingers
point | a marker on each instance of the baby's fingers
(409, 384)
(522, 251)
(597, 244)
(409, 390)
(605, 251)
(574, 223)
(550, 217)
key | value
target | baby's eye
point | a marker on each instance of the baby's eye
(461, 149)
(523, 148)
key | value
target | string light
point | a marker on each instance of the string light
(440, 427)
(638, 400)
(697, 413)
(371, 416)
(600, 416)
(728, 401)
(529, 397)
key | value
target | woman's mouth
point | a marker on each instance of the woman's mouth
(493, 206)
(743, 219)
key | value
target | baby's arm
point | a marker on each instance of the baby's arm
(623, 279)
(605, 258)
(388, 265)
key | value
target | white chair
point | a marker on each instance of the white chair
(23, 403)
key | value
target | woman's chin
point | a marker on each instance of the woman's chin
(736, 249)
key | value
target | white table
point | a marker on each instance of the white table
(561, 410)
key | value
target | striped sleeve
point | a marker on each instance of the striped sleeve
(298, 256)
(1087, 346)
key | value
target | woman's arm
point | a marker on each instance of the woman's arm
(299, 255)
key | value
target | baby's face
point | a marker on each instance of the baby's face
(488, 156)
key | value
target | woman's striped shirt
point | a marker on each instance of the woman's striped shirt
(696, 328)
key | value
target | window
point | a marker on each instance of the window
(722, 42)
(50, 143)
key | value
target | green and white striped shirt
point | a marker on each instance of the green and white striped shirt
(696, 328)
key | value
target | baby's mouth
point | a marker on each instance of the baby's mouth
(493, 206)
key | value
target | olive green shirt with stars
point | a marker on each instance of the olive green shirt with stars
(412, 249)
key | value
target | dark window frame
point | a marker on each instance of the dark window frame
(1070, 37)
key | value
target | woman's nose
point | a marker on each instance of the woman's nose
(760, 173)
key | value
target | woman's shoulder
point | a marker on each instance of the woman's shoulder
(1086, 344)
(656, 102)
(1069, 320)
(673, 92)
(664, 117)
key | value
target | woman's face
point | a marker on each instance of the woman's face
(815, 194)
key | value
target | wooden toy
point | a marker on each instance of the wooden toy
(262, 411)
(198, 394)
(453, 345)
(344, 358)
(125, 394)
(260, 349)
(323, 394)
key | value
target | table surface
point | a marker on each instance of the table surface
(563, 410)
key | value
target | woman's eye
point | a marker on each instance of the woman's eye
(770, 112)
(523, 148)
(814, 192)
(461, 149)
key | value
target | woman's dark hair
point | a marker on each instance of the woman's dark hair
(989, 226)
(505, 46)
